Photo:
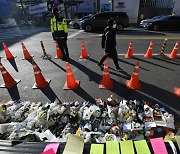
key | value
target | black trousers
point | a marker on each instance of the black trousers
(114, 56)
(63, 46)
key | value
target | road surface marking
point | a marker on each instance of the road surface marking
(141, 54)
(74, 34)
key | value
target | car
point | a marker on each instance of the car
(99, 21)
(76, 23)
(166, 22)
(144, 23)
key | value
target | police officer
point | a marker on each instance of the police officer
(59, 31)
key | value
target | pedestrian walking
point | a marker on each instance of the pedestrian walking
(59, 31)
(109, 43)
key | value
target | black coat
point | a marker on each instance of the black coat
(110, 40)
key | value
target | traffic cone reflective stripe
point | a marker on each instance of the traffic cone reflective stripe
(177, 92)
(70, 83)
(39, 78)
(106, 82)
(84, 54)
(58, 52)
(174, 52)
(9, 55)
(134, 82)
(27, 56)
(149, 51)
(9, 82)
(130, 51)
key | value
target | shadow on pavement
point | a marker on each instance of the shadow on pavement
(167, 60)
(49, 93)
(13, 63)
(57, 65)
(83, 94)
(119, 88)
(132, 64)
(153, 63)
(14, 93)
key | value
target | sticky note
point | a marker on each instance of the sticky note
(53, 146)
(142, 147)
(97, 149)
(178, 140)
(112, 147)
(74, 145)
(127, 147)
(158, 146)
(49, 151)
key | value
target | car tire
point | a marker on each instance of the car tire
(119, 27)
(156, 27)
(76, 26)
(88, 28)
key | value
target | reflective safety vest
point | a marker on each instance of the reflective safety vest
(58, 26)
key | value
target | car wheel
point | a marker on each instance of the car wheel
(155, 27)
(119, 27)
(76, 26)
(88, 28)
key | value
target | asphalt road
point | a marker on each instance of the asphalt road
(158, 76)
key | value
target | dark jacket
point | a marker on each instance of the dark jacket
(110, 40)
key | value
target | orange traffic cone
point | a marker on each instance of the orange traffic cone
(149, 51)
(130, 51)
(174, 52)
(9, 82)
(134, 83)
(106, 82)
(40, 80)
(27, 56)
(9, 56)
(70, 83)
(177, 92)
(84, 54)
(58, 52)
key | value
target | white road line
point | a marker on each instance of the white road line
(74, 34)
(141, 54)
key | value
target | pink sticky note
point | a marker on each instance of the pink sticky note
(158, 146)
(53, 146)
(49, 151)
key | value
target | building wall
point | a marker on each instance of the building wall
(131, 7)
(4, 8)
(176, 8)
(86, 6)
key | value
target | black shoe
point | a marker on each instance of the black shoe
(119, 69)
(100, 66)
(63, 58)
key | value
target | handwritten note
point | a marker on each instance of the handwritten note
(127, 147)
(158, 146)
(74, 145)
(112, 147)
(97, 149)
(142, 147)
(178, 140)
